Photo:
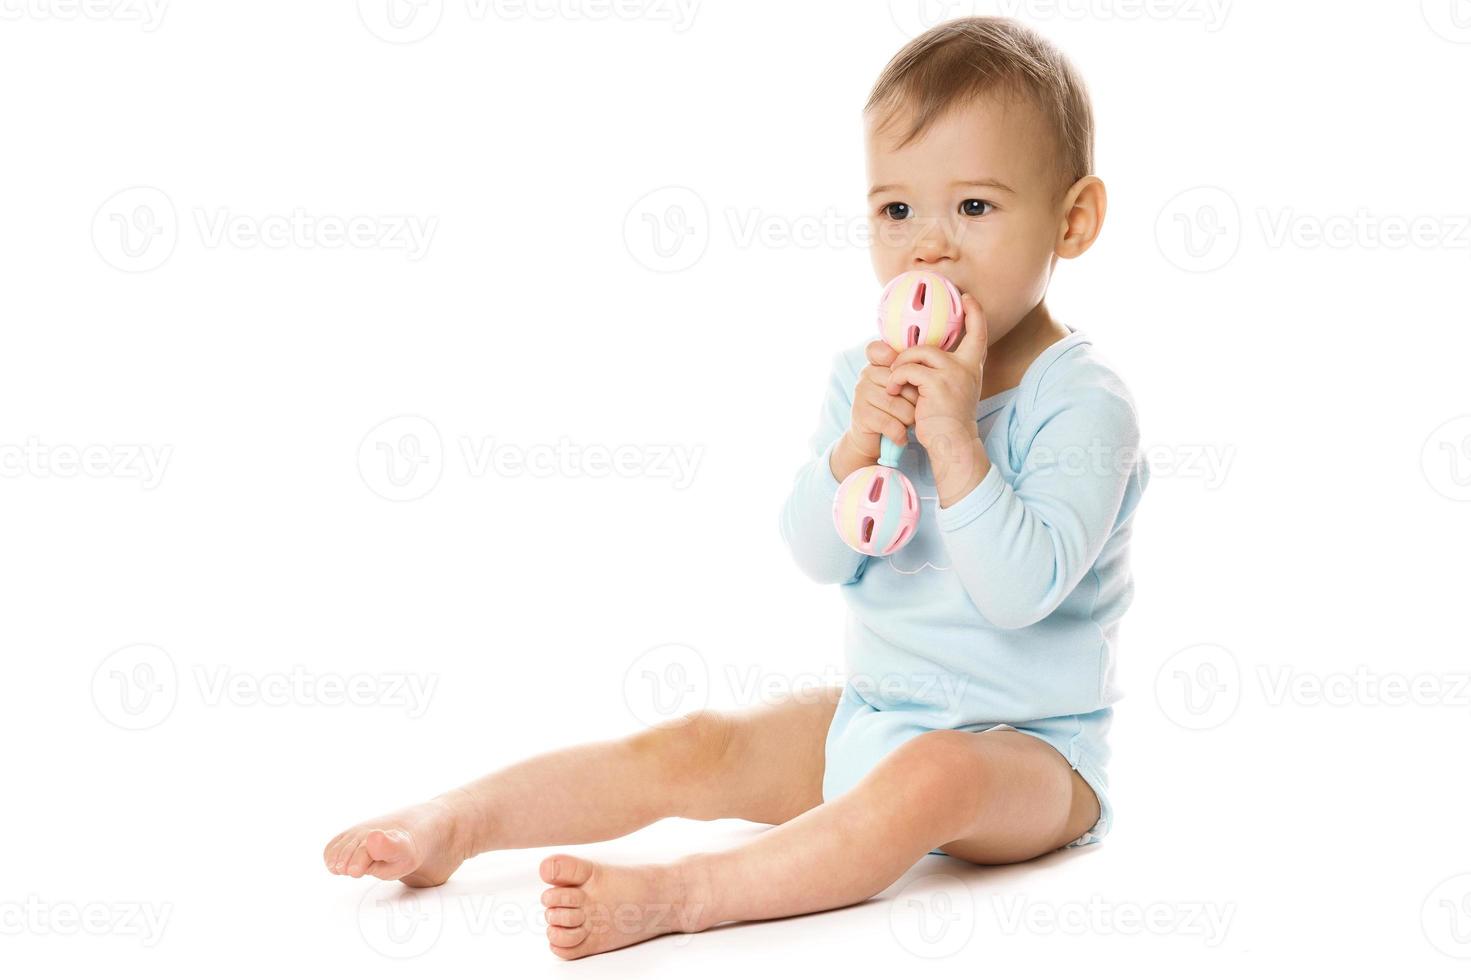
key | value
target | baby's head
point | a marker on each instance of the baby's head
(979, 137)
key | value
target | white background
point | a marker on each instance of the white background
(1299, 369)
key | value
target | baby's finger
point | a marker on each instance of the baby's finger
(880, 353)
(893, 405)
(923, 354)
(913, 373)
(879, 376)
(977, 335)
(877, 421)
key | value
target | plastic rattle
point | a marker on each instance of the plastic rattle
(876, 508)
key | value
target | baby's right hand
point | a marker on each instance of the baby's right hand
(875, 411)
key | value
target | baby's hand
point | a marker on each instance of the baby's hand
(949, 386)
(875, 411)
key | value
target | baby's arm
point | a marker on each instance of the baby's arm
(807, 516)
(1021, 549)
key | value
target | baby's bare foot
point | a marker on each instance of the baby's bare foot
(419, 845)
(593, 908)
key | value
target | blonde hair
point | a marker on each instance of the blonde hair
(952, 63)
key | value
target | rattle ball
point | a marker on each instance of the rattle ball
(920, 308)
(876, 509)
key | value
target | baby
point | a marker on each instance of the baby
(980, 656)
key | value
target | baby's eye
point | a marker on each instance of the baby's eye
(965, 208)
(889, 209)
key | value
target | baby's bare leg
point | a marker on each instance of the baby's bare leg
(991, 798)
(763, 764)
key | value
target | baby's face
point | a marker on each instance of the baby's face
(977, 199)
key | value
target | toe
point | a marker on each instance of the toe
(568, 918)
(392, 854)
(328, 853)
(564, 869)
(388, 872)
(341, 853)
(563, 897)
(389, 846)
(331, 849)
(563, 938)
(358, 862)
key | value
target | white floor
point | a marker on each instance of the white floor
(195, 848)
(1160, 903)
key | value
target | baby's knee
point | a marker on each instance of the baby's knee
(691, 746)
(939, 767)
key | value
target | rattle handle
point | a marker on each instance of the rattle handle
(889, 452)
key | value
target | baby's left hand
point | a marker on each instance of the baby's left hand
(949, 384)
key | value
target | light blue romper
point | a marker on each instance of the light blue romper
(1003, 609)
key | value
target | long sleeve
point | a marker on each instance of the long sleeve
(1020, 548)
(806, 521)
